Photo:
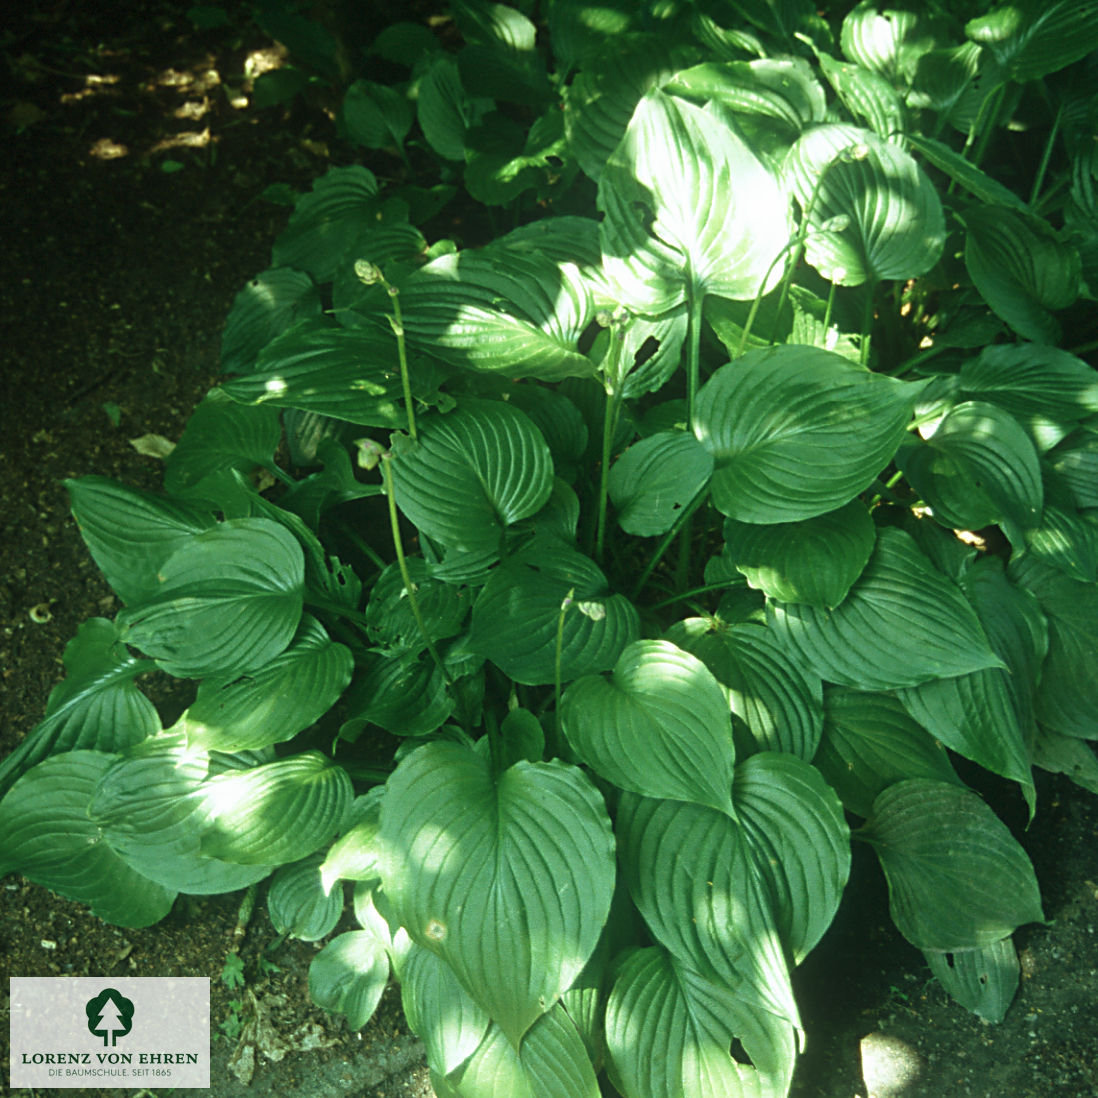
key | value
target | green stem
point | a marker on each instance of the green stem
(705, 590)
(564, 607)
(1039, 180)
(828, 307)
(396, 322)
(360, 543)
(409, 587)
(987, 124)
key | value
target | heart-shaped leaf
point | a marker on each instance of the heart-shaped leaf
(298, 904)
(797, 432)
(229, 599)
(815, 561)
(512, 900)
(1067, 700)
(48, 837)
(957, 878)
(659, 726)
(273, 301)
(902, 623)
(551, 1062)
(872, 214)
(341, 207)
(472, 473)
(349, 373)
(689, 209)
(439, 1010)
(221, 436)
(151, 810)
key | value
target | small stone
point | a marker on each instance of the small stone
(889, 1065)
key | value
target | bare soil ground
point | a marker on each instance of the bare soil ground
(120, 268)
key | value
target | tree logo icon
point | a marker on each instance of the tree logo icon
(110, 1015)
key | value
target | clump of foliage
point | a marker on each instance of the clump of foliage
(684, 532)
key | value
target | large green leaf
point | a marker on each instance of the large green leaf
(777, 700)
(957, 878)
(600, 101)
(658, 726)
(97, 707)
(888, 42)
(48, 837)
(669, 1031)
(341, 207)
(870, 742)
(977, 467)
(472, 473)
(964, 172)
(513, 900)
(793, 824)
(1033, 40)
(375, 116)
(689, 209)
(655, 479)
(733, 897)
(551, 1062)
(228, 600)
(550, 593)
(815, 561)
(500, 59)
(1067, 700)
(1021, 268)
(150, 809)
(505, 311)
(130, 532)
(273, 301)
(902, 623)
(868, 96)
(279, 812)
(404, 694)
(782, 91)
(274, 702)
(349, 373)
(389, 618)
(221, 436)
(445, 113)
(872, 214)
(797, 432)
(1032, 382)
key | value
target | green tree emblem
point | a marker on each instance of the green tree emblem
(110, 1015)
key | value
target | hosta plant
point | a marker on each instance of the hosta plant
(570, 602)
